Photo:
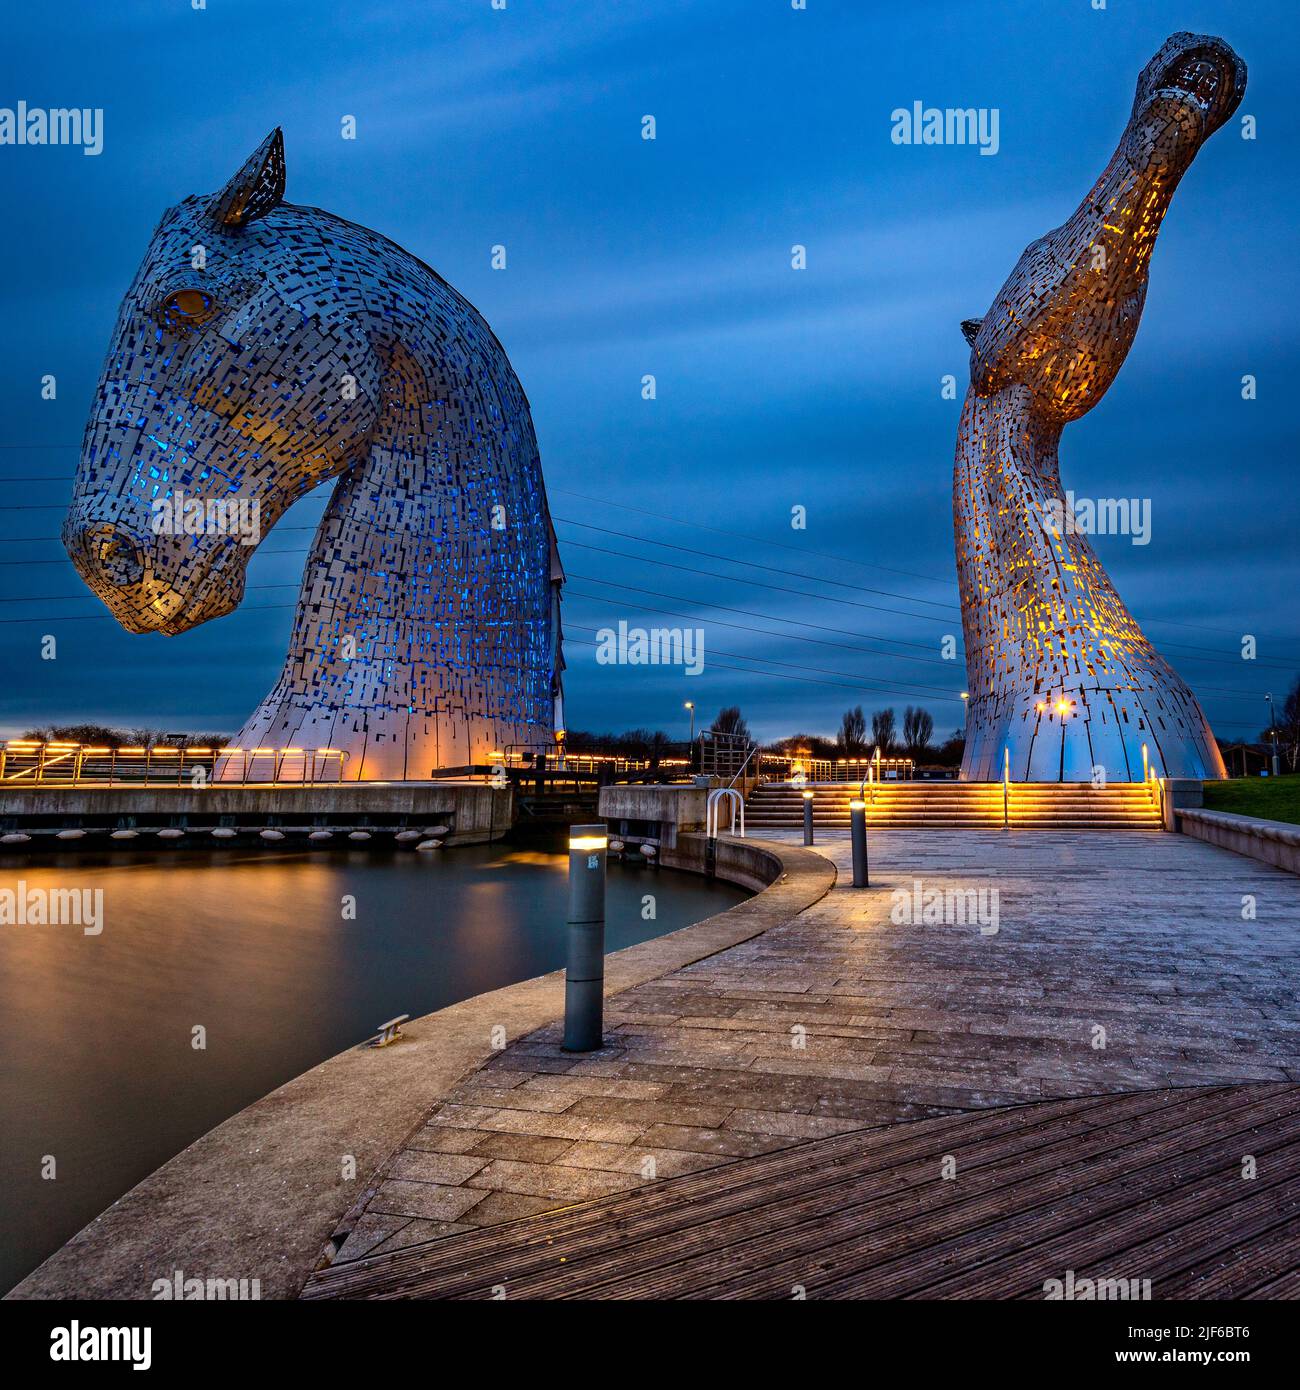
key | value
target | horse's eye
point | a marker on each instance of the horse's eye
(186, 308)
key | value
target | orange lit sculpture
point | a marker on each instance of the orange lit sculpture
(1062, 680)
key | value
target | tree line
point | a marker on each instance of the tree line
(914, 738)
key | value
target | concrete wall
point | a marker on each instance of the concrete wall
(750, 864)
(683, 806)
(1270, 841)
(475, 810)
(670, 810)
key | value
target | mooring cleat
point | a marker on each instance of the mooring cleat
(390, 1032)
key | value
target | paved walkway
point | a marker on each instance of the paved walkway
(1121, 961)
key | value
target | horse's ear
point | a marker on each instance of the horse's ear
(256, 188)
(970, 329)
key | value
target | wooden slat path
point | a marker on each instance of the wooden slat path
(1139, 1185)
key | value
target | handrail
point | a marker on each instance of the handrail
(753, 748)
(734, 800)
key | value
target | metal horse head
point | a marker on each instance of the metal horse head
(1064, 685)
(262, 349)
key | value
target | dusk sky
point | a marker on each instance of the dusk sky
(776, 388)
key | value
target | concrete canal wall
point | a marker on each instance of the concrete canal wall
(474, 811)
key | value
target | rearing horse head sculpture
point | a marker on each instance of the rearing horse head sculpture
(262, 349)
(1064, 686)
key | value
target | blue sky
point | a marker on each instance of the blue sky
(776, 388)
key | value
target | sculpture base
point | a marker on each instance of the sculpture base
(1031, 738)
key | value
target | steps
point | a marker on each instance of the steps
(954, 805)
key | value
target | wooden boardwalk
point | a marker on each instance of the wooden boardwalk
(1147, 1185)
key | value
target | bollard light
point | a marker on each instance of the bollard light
(858, 834)
(584, 976)
(807, 818)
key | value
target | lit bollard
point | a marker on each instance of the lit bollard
(858, 834)
(584, 976)
(807, 818)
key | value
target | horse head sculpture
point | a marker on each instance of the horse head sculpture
(1062, 680)
(261, 350)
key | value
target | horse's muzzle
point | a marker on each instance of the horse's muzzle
(118, 569)
(106, 554)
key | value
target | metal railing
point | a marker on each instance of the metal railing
(525, 755)
(32, 763)
(723, 755)
(785, 767)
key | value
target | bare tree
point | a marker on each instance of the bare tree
(883, 730)
(1288, 728)
(852, 737)
(730, 721)
(918, 729)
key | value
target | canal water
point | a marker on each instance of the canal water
(280, 958)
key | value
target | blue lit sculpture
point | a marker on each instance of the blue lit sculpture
(262, 349)
(1062, 680)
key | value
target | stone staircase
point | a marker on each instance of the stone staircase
(954, 805)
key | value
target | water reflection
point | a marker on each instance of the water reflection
(99, 1070)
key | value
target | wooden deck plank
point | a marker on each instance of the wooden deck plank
(876, 1149)
(1264, 1266)
(747, 1252)
(920, 1250)
(1284, 1286)
(1141, 1185)
(1020, 1252)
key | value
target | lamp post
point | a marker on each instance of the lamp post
(1272, 720)
(690, 705)
(858, 834)
(807, 818)
(584, 975)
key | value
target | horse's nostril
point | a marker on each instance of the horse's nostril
(113, 555)
(1199, 77)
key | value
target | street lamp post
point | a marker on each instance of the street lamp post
(690, 747)
(807, 818)
(858, 834)
(1272, 721)
(584, 976)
